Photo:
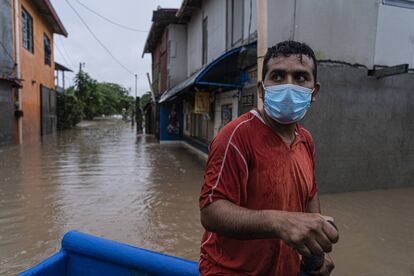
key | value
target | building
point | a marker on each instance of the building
(161, 41)
(362, 120)
(210, 49)
(60, 70)
(8, 75)
(27, 34)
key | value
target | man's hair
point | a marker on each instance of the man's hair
(288, 48)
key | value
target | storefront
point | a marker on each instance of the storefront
(210, 98)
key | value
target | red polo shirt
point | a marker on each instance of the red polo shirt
(251, 166)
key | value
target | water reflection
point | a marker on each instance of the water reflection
(103, 180)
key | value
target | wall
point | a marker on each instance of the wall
(171, 121)
(253, 25)
(395, 36)
(177, 54)
(7, 120)
(194, 43)
(163, 77)
(363, 130)
(34, 73)
(215, 10)
(280, 20)
(342, 30)
(223, 98)
(6, 38)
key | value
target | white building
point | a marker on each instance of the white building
(216, 63)
(368, 32)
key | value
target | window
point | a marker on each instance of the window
(400, 3)
(235, 19)
(27, 31)
(48, 49)
(205, 40)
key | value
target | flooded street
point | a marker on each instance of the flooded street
(102, 179)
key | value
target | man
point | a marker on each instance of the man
(259, 202)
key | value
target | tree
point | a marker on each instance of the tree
(69, 111)
(90, 99)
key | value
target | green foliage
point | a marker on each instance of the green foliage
(91, 99)
(69, 111)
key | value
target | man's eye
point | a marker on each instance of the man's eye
(301, 78)
(277, 77)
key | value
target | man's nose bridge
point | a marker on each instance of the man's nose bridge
(289, 79)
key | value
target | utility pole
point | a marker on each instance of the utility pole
(136, 85)
(134, 112)
(261, 40)
(81, 64)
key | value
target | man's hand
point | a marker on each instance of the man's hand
(308, 233)
(326, 268)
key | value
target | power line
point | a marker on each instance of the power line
(66, 53)
(99, 41)
(109, 20)
(63, 56)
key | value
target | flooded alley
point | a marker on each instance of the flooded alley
(101, 178)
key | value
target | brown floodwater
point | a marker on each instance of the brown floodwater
(103, 179)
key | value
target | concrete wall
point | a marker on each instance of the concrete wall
(6, 38)
(194, 43)
(363, 129)
(34, 72)
(339, 30)
(177, 54)
(280, 20)
(7, 121)
(395, 36)
(215, 11)
(224, 98)
(253, 25)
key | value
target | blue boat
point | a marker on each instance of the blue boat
(87, 255)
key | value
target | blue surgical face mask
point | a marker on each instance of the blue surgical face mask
(287, 103)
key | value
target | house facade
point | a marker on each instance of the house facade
(33, 101)
(361, 118)
(8, 75)
(211, 69)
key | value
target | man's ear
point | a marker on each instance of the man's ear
(316, 91)
(260, 89)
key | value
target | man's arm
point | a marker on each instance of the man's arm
(307, 233)
(314, 205)
(328, 265)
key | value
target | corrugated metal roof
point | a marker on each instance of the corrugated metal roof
(46, 10)
(161, 18)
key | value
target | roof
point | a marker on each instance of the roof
(225, 72)
(46, 10)
(60, 67)
(161, 18)
(187, 8)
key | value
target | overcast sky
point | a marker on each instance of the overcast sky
(125, 45)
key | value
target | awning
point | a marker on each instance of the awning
(225, 72)
(14, 82)
(60, 67)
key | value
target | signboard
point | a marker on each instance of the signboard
(388, 71)
(247, 100)
(202, 102)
